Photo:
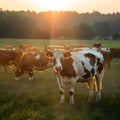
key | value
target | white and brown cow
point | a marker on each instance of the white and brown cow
(32, 61)
(108, 53)
(72, 67)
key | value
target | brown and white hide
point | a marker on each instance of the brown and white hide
(73, 67)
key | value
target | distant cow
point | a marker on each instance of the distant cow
(9, 57)
(32, 61)
(28, 48)
(110, 54)
(72, 67)
(9, 47)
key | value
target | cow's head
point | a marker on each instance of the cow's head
(97, 45)
(58, 55)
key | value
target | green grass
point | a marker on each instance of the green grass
(41, 43)
(39, 99)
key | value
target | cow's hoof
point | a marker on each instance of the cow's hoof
(61, 101)
(71, 102)
(31, 78)
(16, 78)
(90, 99)
(98, 99)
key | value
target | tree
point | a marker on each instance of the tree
(102, 29)
(115, 26)
(116, 37)
(27, 24)
(84, 31)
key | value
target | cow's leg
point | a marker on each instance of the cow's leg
(18, 73)
(98, 86)
(30, 73)
(91, 87)
(72, 89)
(61, 88)
(5, 69)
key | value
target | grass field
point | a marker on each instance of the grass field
(38, 99)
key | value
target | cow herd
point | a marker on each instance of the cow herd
(71, 64)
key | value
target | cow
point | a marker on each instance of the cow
(28, 48)
(5, 67)
(9, 47)
(81, 47)
(9, 57)
(85, 66)
(32, 61)
(110, 54)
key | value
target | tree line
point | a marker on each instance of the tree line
(62, 25)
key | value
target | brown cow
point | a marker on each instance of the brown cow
(9, 47)
(32, 61)
(9, 57)
(28, 48)
(110, 54)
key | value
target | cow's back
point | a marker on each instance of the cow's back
(87, 63)
(33, 59)
(7, 56)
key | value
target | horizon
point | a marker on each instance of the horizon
(28, 10)
(79, 6)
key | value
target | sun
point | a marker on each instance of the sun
(53, 4)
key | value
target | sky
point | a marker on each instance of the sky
(81, 6)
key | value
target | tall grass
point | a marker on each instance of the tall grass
(39, 99)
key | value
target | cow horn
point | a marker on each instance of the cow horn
(69, 50)
(48, 50)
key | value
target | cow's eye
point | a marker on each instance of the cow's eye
(48, 54)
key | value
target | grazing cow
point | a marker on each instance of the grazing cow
(32, 61)
(72, 67)
(9, 57)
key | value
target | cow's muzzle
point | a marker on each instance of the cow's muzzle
(57, 68)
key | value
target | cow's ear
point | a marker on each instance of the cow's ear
(49, 55)
(67, 55)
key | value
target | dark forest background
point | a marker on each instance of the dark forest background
(59, 25)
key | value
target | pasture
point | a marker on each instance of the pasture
(39, 99)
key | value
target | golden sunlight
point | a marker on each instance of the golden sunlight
(52, 4)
